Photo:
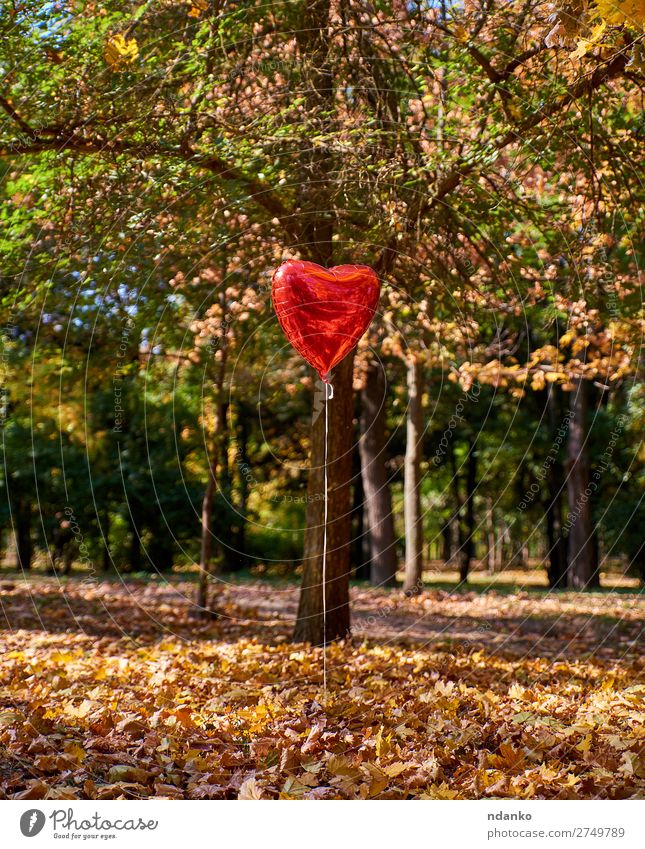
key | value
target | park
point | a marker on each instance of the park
(322, 400)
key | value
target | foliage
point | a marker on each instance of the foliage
(114, 692)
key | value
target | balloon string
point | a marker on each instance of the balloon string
(329, 393)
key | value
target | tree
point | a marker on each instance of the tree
(318, 132)
(376, 486)
(412, 481)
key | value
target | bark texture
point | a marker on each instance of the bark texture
(582, 565)
(378, 499)
(467, 551)
(556, 539)
(309, 624)
(206, 548)
(412, 483)
(24, 542)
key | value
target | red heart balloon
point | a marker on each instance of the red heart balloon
(324, 311)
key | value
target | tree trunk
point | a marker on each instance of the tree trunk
(454, 526)
(106, 562)
(557, 542)
(360, 545)
(206, 548)
(135, 547)
(309, 624)
(446, 542)
(467, 551)
(413, 583)
(24, 543)
(581, 569)
(317, 227)
(455, 521)
(218, 457)
(378, 500)
(491, 544)
(503, 542)
(239, 558)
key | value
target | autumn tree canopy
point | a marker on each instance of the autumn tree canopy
(161, 158)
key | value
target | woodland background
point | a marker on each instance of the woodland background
(161, 509)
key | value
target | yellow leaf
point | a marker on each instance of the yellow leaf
(586, 44)
(617, 12)
(378, 780)
(125, 772)
(120, 51)
(340, 765)
(80, 711)
(585, 744)
(62, 656)
(75, 751)
(382, 744)
(440, 791)
(395, 769)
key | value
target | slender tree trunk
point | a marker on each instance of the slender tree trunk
(360, 554)
(413, 583)
(468, 547)
(242, 467)
(106, 559)
(218, 458)
(454, 525)
(446, 544)
(491, 547)
(135, 547)
(506, 547)
(582, 562)
(309, 624)
(206, 548)
(378, 500)
(24, 543)
(557, 571)
(455, 521)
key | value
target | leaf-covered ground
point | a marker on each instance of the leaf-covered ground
(116, 691)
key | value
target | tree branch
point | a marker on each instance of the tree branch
(259, 191)
(602, 74)
(15, 116)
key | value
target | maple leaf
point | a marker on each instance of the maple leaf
(250, 789)
(120, 51)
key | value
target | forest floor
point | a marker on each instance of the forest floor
(116, 690)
